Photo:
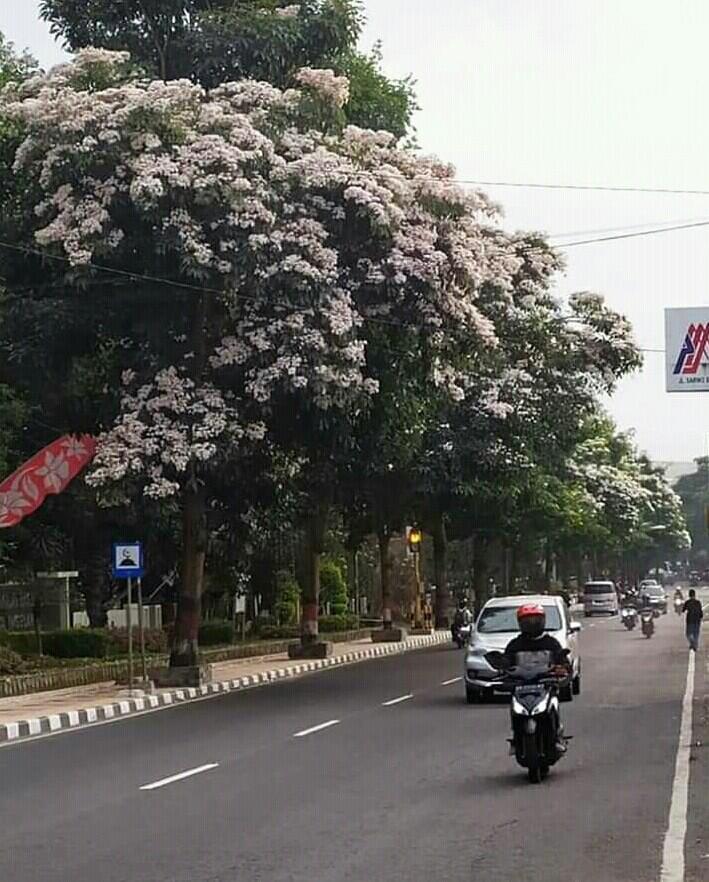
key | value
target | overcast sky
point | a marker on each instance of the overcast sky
(564, 92)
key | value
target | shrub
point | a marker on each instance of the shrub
(117, 642)
(329, 624)
(79, 643)
(279, 632)
(216, 633)
(21, 642)
(10, 662)
(333, 588)
(287, 597)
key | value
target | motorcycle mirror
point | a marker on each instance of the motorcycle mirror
(497, 660)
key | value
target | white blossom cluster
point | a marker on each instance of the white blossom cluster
(165, 427)
(326, 84)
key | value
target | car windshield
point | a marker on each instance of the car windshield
(653, 589)
(599, 588)
(503, 620)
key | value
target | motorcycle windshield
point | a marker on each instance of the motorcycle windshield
(532, 664)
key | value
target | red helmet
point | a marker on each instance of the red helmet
(532, 619)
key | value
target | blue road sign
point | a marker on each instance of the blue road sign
(127, 560)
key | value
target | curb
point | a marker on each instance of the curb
(24, 729)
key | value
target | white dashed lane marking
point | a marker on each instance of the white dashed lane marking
(317, 728)
(397, 700)
(179, 777)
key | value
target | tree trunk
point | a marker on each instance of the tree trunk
(185, 644)
(94, 579)
(314, 540)
(440, 567)
(385, 570)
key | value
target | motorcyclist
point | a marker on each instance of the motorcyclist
(533, 638)
(463, 617)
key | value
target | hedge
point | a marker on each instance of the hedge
(216, 633)
(326, 625)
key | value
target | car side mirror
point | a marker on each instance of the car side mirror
(574, 627)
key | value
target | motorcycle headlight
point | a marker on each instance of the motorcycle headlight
(542, 706)
(518, 708)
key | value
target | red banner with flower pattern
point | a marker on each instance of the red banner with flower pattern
(49, 472)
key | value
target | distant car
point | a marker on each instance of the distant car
(497, 625)
(655, 594)
(600, 597)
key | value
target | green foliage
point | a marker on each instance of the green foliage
(377, 102)
(338, 623)
(216, 633)
(79, 643)
(327, 625)
(287, 598)
(333, 588)
(279, 632)
(13, 67)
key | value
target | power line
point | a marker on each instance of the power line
(635, 235)
(600, 188)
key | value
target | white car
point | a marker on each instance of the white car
(497, 625)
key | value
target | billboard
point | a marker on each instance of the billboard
(687, 349)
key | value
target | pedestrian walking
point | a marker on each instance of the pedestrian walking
(694, 613)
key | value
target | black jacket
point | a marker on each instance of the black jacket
(545, 643)
(694, 611)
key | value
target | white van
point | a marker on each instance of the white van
(600, 597)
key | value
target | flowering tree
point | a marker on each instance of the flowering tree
(488, 463)
(276, 252)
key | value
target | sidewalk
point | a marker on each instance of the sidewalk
(43, 712)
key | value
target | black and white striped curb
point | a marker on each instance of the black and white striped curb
(104, 713)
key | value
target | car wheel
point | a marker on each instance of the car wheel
(472, 695)
(576, 685)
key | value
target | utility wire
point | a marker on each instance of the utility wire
(599, 188)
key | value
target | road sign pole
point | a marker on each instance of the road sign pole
(141, 632)
(129, 623)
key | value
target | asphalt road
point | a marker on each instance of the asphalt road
(422, 789)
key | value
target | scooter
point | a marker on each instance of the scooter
(647, 619)
(629, 617)
(537, 740)
(679, 605)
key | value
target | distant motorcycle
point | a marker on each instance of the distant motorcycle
(647, 619)
(679, 605)
(629, 617)
(460, 635)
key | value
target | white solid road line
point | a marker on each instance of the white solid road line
(397, 700)
(673, 851)
(316, 728)
(454, 680)
(179, 777)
